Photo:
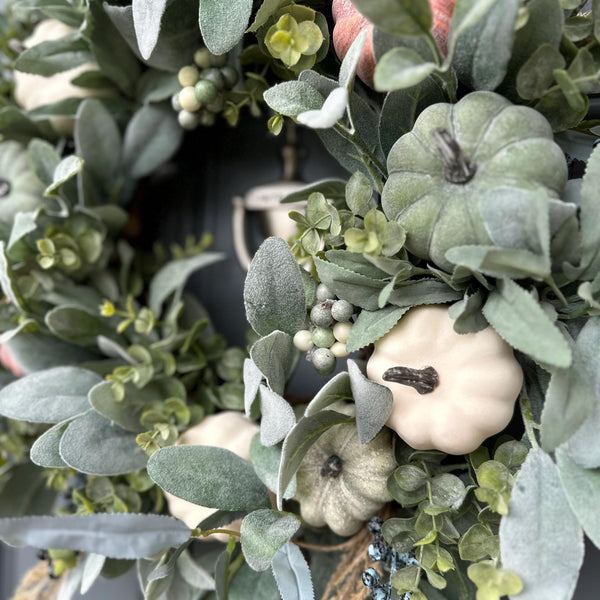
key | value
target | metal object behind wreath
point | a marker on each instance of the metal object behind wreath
(266, 199)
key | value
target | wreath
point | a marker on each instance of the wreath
(447, 293)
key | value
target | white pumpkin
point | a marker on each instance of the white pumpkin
(33, 91)
(468, 383)
(229, 430)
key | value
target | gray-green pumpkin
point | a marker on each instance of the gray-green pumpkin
(20, 189)
(342, 483)
(454, 155)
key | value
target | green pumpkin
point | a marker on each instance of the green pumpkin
(342, 483)
(454, 155)
(20, 189)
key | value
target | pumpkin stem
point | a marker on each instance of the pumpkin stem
(459, 169)
(332, 467)
(423, 380)
(4, 188)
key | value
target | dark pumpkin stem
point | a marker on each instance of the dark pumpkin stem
(459, 169)
(332, 467)
(423, 380)
(4, 188)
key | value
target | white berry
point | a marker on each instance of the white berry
(187, 120)
(341, 331)
(303, 340)
(188, 76)
(188, 100)
(339, 350)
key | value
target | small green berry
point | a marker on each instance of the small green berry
(341, 331)
(188, 120)
(187, 99)
(188, 76)
(218, 60)
(202, 58)
(324, 293)
(303, 340)
(320, 314)
(206, 91)
(215, 76)
(339, 350)
(323, 361)
(231, 76)
(217, 105)
(175, 102)
(322, 337)
(342, 310)
(207, 119)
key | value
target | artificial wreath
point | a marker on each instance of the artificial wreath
(447, 293)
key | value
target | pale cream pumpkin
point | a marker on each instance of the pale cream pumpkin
(468, 382)
(33, 91)
(229, 430)
(342, 483)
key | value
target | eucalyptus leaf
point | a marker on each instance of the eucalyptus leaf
(350, 62)
(65, 170)
(373, 403)
(483, 51)
(356, 262)
(273, 292)
(76, 325)
(298, 441)
(151, 138)
(25, 492)
(253, 377)
(355, 288)
(337, 388)
(333, 189)
(7, 280)
(208, 476)
(146, 21)
(173, 276)
(540, 538)
(265, 460)
(263, 533)
(273, 355)
(291, 98)
(521, 321)
(193, 573)
(223, 23)
(370, 326)
(92, 567)
(48, 396)
(277, 417)
(93, 445)
(126, 414)
(44, 159)
(537, 74)
(292, 574)
(45, 450)
(466, 313)
(23, 224)
(55, 56)
(401, 68)
(123, 536)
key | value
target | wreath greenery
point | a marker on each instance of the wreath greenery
(468, 132)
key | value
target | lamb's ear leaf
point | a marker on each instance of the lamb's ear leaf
(540, 537)
(274, 294)
(146, 22)
(292, 574)
(43, 397)
(223, 23)
(263, 533)
(117, 535)
(373, 403)
(208, 476)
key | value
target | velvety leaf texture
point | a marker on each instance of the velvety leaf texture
(223, 23)
(263, 533)
(540, 538)
(48, 396)
(273, 292)
(292, 574)
(208, 476)
(124, 536)
(277, 417)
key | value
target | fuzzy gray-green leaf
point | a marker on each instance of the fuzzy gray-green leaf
(263, 532)
(371, 325)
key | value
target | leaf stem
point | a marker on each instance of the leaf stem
(199, 533)
(552, 285)
(307, 546)
(527, 416)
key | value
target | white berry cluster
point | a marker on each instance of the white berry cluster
(203, 85)
(330, 325)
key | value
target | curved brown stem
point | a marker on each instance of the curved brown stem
(423, 380)
(459, 169)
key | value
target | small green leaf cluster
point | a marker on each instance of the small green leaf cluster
(453, 517)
